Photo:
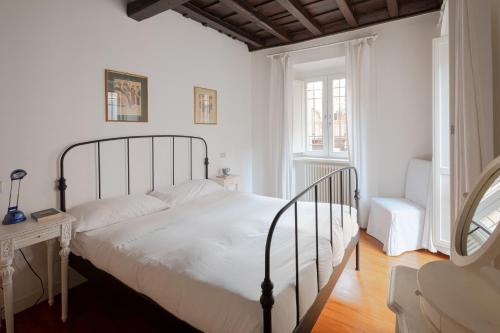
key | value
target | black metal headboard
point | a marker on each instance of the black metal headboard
(62, 181)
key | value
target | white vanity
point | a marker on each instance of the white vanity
(462, 294)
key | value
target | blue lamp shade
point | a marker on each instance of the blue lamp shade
(17, 174)
(14, 215)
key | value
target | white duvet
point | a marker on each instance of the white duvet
(203, 261)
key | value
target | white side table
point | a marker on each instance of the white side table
(230, 182)
(403, 301)
(18, 236)
(454, 299)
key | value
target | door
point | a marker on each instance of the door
(441, 146)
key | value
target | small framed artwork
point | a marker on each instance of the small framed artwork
(126, 97)
(205, 106)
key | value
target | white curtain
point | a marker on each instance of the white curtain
(299, 116)
(473, 110)
(361, 111)
(427, 233)
(280, 127)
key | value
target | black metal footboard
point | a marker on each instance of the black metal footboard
(342, 178)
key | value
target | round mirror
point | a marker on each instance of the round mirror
(485, 218)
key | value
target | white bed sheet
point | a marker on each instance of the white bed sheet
(203, 261)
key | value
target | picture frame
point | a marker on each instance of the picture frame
(126, 97)
(205, 106)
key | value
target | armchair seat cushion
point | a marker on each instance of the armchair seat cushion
(398, 223)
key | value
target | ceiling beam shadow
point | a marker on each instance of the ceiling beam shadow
(346, 10)
(143, 9)
(243, 8)
(392, 7)
(214, 22)
(300, 13)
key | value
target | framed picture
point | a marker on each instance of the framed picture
(205, 106)
(126, 97)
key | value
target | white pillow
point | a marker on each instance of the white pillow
(100, 213)
(187, 191)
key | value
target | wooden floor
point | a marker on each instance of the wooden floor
(359, 298)
(357, 305)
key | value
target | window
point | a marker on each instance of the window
(314, 107)
(326, 117)
(339, 123)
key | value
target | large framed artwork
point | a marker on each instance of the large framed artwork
(205, 106)
(126, 97)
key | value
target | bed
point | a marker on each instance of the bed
(225, 261)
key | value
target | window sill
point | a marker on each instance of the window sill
(329, 160)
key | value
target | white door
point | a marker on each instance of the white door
(441, 145)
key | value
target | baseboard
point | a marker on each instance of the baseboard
(444, 250)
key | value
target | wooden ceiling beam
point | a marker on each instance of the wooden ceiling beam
(300, 13)
(346, 10)
(143, 9)
(392, 7)
(243, 8)
(214, 22)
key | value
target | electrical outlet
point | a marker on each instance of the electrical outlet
(223, 155)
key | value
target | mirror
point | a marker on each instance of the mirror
(485, 218)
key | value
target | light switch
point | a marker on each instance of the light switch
(223, 155)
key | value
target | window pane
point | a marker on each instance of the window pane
(318, 105)
(339, 123)
(336, 109)
(314, 107)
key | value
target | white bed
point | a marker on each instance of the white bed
(203, 261)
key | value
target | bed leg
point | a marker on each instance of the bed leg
(357, 256)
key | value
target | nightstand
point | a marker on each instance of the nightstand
(18, 236)
(230, 182)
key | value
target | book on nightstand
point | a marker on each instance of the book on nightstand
(46, 215)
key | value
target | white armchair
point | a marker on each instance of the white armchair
(399, 222)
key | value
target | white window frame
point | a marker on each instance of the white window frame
(324, 152)
(328, 136)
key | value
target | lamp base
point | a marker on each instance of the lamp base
(13, 217)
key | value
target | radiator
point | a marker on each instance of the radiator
(309, 171)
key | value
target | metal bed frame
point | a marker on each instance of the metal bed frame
(342, 195)
(62, 186)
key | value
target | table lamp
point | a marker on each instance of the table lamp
(14, 215)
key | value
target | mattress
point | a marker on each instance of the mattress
(203, 261)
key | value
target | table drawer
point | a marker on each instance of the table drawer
(34, 238)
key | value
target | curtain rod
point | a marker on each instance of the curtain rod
(320, 46)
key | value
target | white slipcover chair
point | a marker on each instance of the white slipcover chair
(399, 222)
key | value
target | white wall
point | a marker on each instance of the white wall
(304, 71)
(403, 60)
(52, 60)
